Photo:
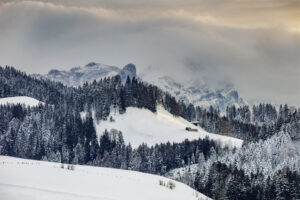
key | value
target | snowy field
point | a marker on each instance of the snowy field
(143, 126)
(28, 101)
(29, 180)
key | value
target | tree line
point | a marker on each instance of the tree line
(57, 132)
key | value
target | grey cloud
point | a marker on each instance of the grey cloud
(262, 63)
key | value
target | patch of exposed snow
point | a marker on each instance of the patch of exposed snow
(28, 101)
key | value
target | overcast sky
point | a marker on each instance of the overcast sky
(254, 45)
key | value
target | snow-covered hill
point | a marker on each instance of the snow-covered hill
(28, 180)
(28, 101)
(143, 126)
(88, 73)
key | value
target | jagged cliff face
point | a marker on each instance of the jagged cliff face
(197, 93)
(128, 70)
(200, 94)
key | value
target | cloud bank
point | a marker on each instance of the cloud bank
(253, 45)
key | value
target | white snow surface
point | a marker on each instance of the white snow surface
(143, 126)
(29, 180)
(28, 101)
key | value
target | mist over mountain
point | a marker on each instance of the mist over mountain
(195, 92)
(200, 94)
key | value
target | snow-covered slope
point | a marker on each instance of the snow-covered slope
(142, 126)
(29, 180)
(88, 73)
(28, 101)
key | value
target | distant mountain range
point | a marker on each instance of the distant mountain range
(200, 94)
(197, 93)
(92, 71)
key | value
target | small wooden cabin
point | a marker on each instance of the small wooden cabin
(191, 129)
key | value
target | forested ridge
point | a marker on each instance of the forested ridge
(260, 122)
(57, 132)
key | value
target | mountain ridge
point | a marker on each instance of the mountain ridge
(79, 75)
(201, 94)
(197, 93)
